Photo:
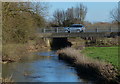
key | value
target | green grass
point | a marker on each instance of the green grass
(108, 54)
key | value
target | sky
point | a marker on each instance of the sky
(97, 11)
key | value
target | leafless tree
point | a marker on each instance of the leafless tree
(58, 16)
(71, 15)
(82, 11)
(115, 13)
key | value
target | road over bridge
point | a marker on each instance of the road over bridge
(58, 32)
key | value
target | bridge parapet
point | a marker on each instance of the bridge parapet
(83, 34)
(88, 29)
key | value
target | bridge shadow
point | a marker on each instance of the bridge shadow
(59, 43)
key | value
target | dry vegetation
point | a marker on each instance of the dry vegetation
(100, 70)
(13, 52)
(7, 80)
(103, 41)
(77, 42)
(20, 21)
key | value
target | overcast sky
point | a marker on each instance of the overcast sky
(97, 11)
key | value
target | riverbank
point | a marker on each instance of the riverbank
(102, 72)
(7, 80)
(108, 54)
(15, 52)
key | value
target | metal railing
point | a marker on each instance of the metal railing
(88, 29)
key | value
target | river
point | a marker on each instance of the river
(41, 67)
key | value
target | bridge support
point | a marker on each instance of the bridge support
(47, 41)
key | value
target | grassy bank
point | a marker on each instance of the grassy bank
(108, 54)
(102, 72)
(15, 52)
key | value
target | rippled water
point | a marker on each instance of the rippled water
(41, 67)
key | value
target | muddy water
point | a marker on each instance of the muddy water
(41, 67)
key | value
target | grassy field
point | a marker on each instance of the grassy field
(108, 54)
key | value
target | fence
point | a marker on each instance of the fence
(87, 29)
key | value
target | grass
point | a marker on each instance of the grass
(85, 64)
(108, 54)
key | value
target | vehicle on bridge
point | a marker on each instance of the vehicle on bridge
(75, 28)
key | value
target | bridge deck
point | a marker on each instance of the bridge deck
(82, 34)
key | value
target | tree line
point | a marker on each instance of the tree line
(72, 15)
(77, 15)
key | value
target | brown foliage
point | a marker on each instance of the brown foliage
(101, 70)
(20, 21)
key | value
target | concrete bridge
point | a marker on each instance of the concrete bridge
(90, 31)
(55, 35)
(82, 34)
(61, 38)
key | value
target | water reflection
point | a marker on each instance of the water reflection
(40, 67)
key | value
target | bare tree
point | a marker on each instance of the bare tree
(40, 8)
(58, 16)
(81, 12)
(115, 14)
(71, 15)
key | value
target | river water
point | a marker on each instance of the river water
(41, 67)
